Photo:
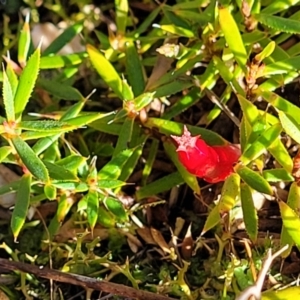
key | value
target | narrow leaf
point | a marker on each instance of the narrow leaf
(8, 98)
(230, 193)
(254, 180)
(63, 39)
(24, 42)
(27, 82)
(279, 23)
(106, 70)
(233, 36)
(290, 126)
(22, 204)
(30, 159)
(290, 221)
(92, 208)
(116, 208)
(249, 212)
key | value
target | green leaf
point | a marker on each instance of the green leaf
(121, 7)
(282, 66)
(254, 180)
(290, 221)
(106, 70)
(250, 111)
(30, 160)
(85, 119)
(134, 69)
(143, 100)
(278, 23)
(280, 103)
(113, 168)
(259, 146)
(8, 98)
(233, 37)
(50, 191)
(281, 154)
(92, 207)
(12, 77)
(189, 179)
(63, 39)
(26, 83)
(227, 75)
(230, 193)
(46, 126)
(125, 136)
(294, 203)
(177, 30)
(277, 175)
(22, 204)
(266, 52)
(110, 184)
(150, 161)
(78, 187)
(161, 185)
(116, 208)
(171, 88)
(62, 61)
(170, 127)
(71, 162)
(249, 212)
(59, 173)
(64, 205)
(290, 126)
(284, 294)
(4, 152)
(24, 42)
(105, 218)
(184, 103)
(212, 220)
(60, 90)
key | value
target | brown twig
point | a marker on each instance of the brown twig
(85, 282)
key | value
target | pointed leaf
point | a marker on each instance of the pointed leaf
(230, 193)
(290, 126)
(22, 204)
(158, 186)
(50, 191)
(24, 42)
(233, 36)
(279, 23)
(116, 208)
(113, 168)
(106, 70)
(212, 220)
(249, 212)
(290, 221)
(27, 82)
(254, 180)
(64, 38)
(30, 160)
(294, 203)
(259, 146)
(8, 98)
(92, 207)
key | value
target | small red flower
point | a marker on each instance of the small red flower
(212, 163)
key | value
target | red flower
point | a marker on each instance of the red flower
(212, 163)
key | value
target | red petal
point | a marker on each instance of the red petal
(212, 163)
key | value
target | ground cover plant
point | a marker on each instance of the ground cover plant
(150, 147)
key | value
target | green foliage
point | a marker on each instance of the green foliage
(153, 75)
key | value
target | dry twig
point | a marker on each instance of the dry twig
(85, 282)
